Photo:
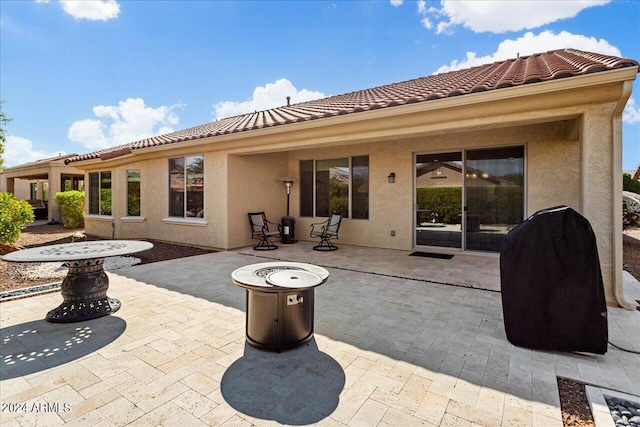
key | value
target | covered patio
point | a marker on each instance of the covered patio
(399, 340)
(39, 182)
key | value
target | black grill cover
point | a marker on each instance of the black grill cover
(552, 290)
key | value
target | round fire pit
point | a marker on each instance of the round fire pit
(280, 302)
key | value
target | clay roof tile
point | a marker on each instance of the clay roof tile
(523, 70)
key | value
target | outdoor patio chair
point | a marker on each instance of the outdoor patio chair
(326, 231)
(260, 230)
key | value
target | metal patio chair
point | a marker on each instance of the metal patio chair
(326, 231)
(260, 230)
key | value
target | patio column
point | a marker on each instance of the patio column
(55, 214)
(601, 193)
(10, 185)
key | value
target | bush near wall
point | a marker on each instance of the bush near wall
(630, 184)
(494, 205)
(630, 209)
(72, 206)
(14, 215)
(444, 204)
(338, 198)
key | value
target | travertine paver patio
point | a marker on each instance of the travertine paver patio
(387, 351)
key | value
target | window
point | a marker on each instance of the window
(133, 193)
(100, 193)
(335, 186)
(33, 190)
(72, 183)
(186, 187)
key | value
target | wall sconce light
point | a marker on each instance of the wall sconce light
(391, 178)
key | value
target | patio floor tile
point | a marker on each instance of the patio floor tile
(399, 340)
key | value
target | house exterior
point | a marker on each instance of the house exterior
(39, 181)
(446, 163)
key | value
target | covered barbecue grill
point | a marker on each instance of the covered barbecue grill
(552, 289)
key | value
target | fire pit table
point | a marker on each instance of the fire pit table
(84, 289)
(280, 302)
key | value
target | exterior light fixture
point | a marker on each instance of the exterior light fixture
(391, 178)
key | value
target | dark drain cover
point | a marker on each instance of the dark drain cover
(431, 255)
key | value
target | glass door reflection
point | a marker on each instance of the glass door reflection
(494, 188)
(438, 198)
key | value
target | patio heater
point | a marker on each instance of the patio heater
(288, 222)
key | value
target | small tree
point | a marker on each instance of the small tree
(14, 215)
(72, 206)
(3, 140)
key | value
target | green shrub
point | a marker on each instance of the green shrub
(72, 206)
(630, 184)
(14, 214)
(338, 198)
(630, 211)
(494, 205)
(439, 204)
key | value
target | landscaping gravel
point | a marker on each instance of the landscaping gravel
(624, 412)
(56, 270)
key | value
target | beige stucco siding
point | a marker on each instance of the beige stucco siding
(253, 186)
(570, 130)
(154, 222)
(552, 166)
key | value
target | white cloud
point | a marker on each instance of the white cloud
(91, 10)
(129, 121)
(19, 150)
(270, 96)
(496, 16)
(396, 3)
(531, 43)
(631, 113)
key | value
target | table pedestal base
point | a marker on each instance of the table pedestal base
(84, 292)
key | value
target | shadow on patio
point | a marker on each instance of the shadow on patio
(36, 346)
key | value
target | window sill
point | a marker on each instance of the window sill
(132, 219)
(185, 221)
(99, 217)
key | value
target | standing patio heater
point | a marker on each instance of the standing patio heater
(551, 284)
(288, 222)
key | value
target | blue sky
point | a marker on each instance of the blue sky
(79, 76)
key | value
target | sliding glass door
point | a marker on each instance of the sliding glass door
(468, 199)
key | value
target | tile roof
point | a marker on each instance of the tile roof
(46, 161)
(520, 71)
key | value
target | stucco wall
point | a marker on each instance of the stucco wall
(552, 167)
(570, 158)
(154, 222)
(237, 184)
(253, 186)
(21, 189)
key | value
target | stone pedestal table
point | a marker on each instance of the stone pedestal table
(84, 289)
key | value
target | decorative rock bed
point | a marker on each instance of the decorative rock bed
(623, 412)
